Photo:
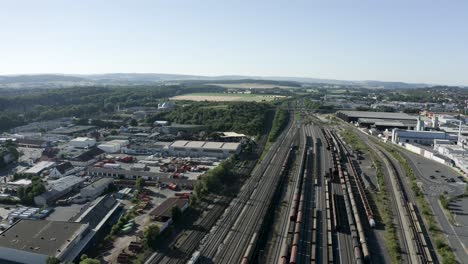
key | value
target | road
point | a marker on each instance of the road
(424, 168)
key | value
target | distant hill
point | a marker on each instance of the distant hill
(67, 80)
(39, 78)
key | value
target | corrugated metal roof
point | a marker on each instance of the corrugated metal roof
(384, 115)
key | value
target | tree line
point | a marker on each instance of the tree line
(82, 102)
(241, 117)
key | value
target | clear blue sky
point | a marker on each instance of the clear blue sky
(392, 40)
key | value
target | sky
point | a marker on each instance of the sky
(389, 40)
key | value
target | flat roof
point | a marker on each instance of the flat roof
(213, 145)
(424, 134)
(382, 115)
(377, 120)
(40, 167)
(41, 236)
(230, 146)
(205, 144)
(390, 123)
(20, 182)
(128, 172)
(179, 143)
(83, 139)
(195, 144)
(72, 129)
(232, 134)
(65, 182)
(99, 183)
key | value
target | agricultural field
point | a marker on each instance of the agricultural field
(225, 97)
(251, 85)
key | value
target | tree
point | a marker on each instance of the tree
(52, 260)
(21, 193)
(90, 261)
(84, 259)
(36, 188)
(139, 184)
(151, 236)
(176, 214)
(133, 122)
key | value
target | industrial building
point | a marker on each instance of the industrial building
(231, 136)
(83, 142)
(88, 157)
(219, 150)
(353, 116)
(383, 124)
(163, 213)
(73, 130)
(96, 188)
(456, 153)
(63, 169)
(113, 146)
(34, 241)
(420, 137)
(39, 167)
(146, 148)
(58, 189)
(126, 174)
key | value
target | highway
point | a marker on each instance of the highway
(229, 239)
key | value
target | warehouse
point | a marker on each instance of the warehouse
(87, 158)
(73, 130)
(382, 124)
(163, 213)
(113, 146)
(420, 137)
(353, 116)
(83, 142)
(96, 188)
(39, 167)
(219, 150)
(33, 241)
(126, 174)
(63, 169)
(58, 189)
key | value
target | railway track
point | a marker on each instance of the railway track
(413, 226)
(229, 240)
(187, 245)
(286, 218)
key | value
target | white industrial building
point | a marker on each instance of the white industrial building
(83, 142)
(420, 137)
(219, 150)
(39, 167)
(448, 119)
(113, 146)
(96, 188)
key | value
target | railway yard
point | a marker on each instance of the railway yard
(307, 201)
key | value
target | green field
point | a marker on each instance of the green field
(252, 85)
(223, 97)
